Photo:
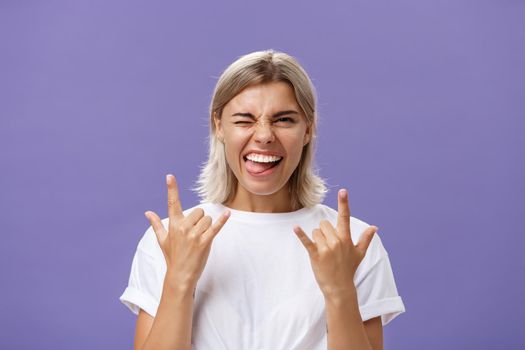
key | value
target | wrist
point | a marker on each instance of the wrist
(174, 285)
(338, 297)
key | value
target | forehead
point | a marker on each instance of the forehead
(267, 96)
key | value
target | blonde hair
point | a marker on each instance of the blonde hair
(216, 182)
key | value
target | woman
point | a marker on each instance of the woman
(261, 286)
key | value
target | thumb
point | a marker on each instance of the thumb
(158, 228)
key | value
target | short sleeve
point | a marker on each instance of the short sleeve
(376, 288)
(146, 278)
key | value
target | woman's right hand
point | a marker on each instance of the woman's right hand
(186, 246)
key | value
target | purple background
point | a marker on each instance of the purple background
(421, 104)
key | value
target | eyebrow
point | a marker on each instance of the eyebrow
(276, 115)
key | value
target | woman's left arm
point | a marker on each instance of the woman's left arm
(335, 259)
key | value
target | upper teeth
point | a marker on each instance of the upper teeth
(262, 159)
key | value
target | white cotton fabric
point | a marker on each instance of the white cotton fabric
(258, 290)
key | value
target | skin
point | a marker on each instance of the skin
(266, 131)
(334, 259)
(186, 244)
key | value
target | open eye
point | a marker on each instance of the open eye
(285, 119)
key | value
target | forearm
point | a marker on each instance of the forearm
(344, 324)
(172, 325)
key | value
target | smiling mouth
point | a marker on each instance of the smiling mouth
(262, 168)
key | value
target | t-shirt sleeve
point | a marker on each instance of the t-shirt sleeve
(146, 278)
(376, 288)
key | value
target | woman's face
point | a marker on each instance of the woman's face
(264, 131)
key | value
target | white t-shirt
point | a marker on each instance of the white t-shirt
(258, 290)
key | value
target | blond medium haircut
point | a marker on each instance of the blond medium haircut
(217, 182)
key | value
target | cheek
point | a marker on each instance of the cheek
(233, 151)
(235, 135)
(297, 155)
(232, 155)
(295, 147)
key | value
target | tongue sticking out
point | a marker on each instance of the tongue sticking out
(255, 167)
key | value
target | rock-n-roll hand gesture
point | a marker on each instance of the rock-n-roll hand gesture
(186, 246)
(333, 255)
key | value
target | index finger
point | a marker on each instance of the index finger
(174, 207)
(343, 214)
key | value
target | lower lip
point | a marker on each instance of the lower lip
(264, 173)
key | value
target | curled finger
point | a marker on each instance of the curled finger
(202, 225)
(195, 215)
(329, 233)
(319, 240)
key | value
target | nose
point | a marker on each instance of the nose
(263, 132)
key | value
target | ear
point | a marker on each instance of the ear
(218, 126)
(307, 135)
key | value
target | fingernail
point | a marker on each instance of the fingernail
(342, 193)
(146, 215)
(168, 178)
(227, 213)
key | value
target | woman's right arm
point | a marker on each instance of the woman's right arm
(186, 247)
(171, 327)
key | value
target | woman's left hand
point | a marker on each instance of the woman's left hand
(333, 255)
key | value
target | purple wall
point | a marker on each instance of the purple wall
(422, 107)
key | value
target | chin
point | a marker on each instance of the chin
(261, 189)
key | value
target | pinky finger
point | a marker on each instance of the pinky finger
(217, 226)
(308, 244)
(366, 238)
